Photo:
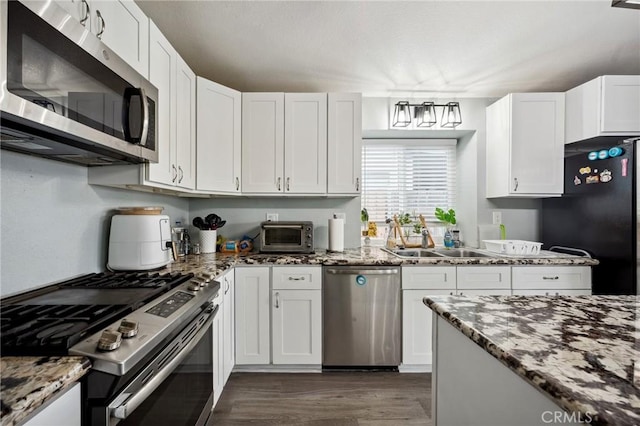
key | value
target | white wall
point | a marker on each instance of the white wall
(54, 225)
(520, 216)
(243, 215)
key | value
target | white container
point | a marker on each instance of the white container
(336, 235)
(513, 247)
(208, 241)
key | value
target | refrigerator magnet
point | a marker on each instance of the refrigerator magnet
(603, 155)
(585, 170)
(624, 163)
(593, 155)
(593, 179)
(605, 176)
(576, 180)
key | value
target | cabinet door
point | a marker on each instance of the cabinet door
(344, 143)
(63, 411)
(125, 31)
(162, 74)
(483, 278)
(537, 143)
(262, 142)
(297, 327)
(305, 143)
(78, 9)
(252, 312)
(218, 354)
(218, 137)
(417, 346)
(185, 125)
(620, 104)
(228, 325)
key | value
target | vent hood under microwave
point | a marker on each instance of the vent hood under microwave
(65, 95)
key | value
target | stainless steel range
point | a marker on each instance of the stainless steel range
(149, 338)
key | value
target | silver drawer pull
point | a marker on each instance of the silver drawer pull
(296, 278)
(277, 299)
(551, 278)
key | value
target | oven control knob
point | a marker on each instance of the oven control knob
(193, 286)
(128, 329)
(109, 341)
(207, 276)
(200, 281)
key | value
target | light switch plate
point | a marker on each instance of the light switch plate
(272, 217)
(497, 218)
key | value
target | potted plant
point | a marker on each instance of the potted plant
(449, 218)
(364, 218)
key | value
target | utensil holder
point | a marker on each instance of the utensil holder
(208, 241)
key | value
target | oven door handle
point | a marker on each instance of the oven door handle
(124, 410)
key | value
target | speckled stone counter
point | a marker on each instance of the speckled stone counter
(216, 263)
(582, 351)
(28, 382)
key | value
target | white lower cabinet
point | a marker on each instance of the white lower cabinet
(228, 324)
(252, 316)
(218, 354)
(551, 280)
(296, 311)
(65, 410)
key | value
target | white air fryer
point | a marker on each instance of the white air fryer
(139, 242)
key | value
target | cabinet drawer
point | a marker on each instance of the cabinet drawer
(427, 277)
(485, 292)
(484, 277)
(296, 277)
(555, 292)
(551, 277)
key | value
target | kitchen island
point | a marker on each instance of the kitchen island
(528, 360)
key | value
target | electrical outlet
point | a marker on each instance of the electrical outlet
(342, 216)
(272, 217)
(497, 218)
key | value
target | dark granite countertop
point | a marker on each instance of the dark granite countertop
(29, 382)
(582, 351)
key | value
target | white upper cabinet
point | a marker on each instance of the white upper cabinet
(262, 142)
(305, 143)
(185, 125)
(219, 141)
(284, 143)
(162, 71)
(120, 24)
(605, 106)
(344, 140)
(525, 145)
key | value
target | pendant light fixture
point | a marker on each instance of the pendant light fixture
(425, 114)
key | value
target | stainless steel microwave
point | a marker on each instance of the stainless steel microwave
(286, 237)
(65, 95)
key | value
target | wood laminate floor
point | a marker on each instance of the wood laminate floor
(330, 398)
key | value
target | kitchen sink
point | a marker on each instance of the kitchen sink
(460, 253)
(421, 253)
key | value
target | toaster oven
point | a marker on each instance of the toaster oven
(286, 237)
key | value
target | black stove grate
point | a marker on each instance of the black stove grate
(42, 325)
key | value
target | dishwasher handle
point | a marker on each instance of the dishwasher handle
(336, 271)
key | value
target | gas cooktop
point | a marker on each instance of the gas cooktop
(49, 321)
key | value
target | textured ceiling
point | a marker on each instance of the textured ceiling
(398, 48)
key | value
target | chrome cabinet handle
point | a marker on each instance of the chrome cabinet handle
(277, 299)
(237, 184)
(279, 184)
(358, 184)
(175, 173)
(515, 187)
(551, 278)
(181, 174)
(228, 285)
(288, 181)
(296, 278)
(103, 26)
(86, 12)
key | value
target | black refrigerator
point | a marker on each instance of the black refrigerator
(598, 212)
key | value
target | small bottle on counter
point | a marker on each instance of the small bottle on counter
(448, 239)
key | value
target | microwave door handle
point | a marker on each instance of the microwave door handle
(129, 93)
(122, 411)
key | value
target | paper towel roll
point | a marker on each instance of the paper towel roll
(336, 234)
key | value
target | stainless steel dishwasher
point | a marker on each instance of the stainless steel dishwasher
(361, 316)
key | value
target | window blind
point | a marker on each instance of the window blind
(408, 176)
